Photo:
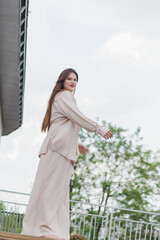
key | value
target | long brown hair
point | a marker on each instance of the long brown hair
(58, 87)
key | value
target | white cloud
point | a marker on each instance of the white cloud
(124, 45)
(142, 15)
(130, 47)
(132, 65)
(88, 12)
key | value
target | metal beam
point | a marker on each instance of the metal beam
(13, 42)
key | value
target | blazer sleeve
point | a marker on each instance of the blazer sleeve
(66, 104)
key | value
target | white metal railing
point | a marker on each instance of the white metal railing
(94, 221)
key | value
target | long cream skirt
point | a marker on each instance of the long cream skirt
(48, 209)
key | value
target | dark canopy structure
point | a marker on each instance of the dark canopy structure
(13, 38)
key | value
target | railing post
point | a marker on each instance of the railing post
(110, 225)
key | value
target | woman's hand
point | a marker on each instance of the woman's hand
(108, 134)
(82, 148)
(72, 162)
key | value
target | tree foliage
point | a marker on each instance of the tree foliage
(120, 172)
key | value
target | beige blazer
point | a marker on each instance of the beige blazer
(65, 122)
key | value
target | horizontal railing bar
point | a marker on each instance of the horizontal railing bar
(22, 204)
(134, 221)
(126, 209)
(91, 204)
(88, 214)
(27, 194)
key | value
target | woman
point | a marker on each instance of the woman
(47, 214)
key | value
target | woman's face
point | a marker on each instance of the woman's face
(70, 82)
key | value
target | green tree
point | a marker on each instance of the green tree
(120, 171)
(10, 219)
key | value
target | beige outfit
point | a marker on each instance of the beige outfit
(48, 209)
(66, 120)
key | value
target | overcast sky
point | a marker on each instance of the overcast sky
(115, 48)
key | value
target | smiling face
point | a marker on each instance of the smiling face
(70, 82)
